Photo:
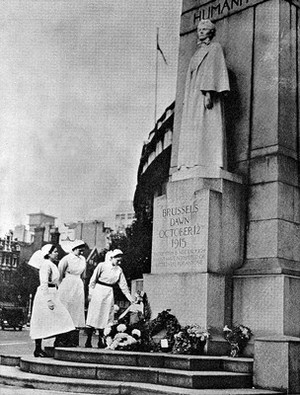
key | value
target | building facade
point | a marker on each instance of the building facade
(93, 233)
(40, 219)
(124, 215)
(153, 171)
(9, 262)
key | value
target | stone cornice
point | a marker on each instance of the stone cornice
(193, 11)
(268, 266)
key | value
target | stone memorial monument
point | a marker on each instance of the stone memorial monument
(199, 222)
(226, 237)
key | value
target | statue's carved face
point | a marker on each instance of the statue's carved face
(204, 32)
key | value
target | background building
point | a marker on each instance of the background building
(40, 219)
(17, 279)
(152, 177)
(124, 215)
(9, 262)
(93, 233)
(153, 171)
(22, 233)
(25, 233)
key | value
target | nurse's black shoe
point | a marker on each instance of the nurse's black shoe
(40, 353)
(89, 331)
(88, 345)
(101, 343)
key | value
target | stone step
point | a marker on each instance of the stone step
(10, 360)
(162, 360)
(150, 375)
(14, 376)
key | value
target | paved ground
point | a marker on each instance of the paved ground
(15, 342)
(8, 390)
(19, 343)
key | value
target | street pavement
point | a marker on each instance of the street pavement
(8, 390)
(15, 342)
(18, 343)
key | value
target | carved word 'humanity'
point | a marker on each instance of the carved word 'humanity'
(222, 8)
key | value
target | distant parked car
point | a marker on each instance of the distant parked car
(12, 317)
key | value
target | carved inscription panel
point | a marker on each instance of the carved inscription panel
(180, 235)
(214, 10)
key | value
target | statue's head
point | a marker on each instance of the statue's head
(206, 29)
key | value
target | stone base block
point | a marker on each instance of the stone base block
(268, 304)
(192, 297)
(217, 346)
(277, 364)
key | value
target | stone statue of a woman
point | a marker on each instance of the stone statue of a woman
(202, 135)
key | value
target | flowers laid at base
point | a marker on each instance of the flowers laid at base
(133, 330)
(122, 340)
(168, 322)
(139, 335)
(238, 336)
(190, 340)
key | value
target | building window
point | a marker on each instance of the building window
(123, 216)
(15, 261)
(7, 276)
(4, 260)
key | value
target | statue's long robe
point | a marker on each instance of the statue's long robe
(202, 135)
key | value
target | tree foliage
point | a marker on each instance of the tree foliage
(136, 246)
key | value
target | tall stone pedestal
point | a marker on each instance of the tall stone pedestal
(197, 241)
(261, 43)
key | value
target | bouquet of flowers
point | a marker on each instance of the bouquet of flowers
(190, 340)
(238, 337)
(122, 340)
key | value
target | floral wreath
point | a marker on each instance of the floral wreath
(166, 321)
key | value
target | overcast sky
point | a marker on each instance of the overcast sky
(77, 80)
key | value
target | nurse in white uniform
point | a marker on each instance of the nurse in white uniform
(49, 316)
(101, 306)
(71, 289)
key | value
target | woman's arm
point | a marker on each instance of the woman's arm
(62, 267)
(44, 274)
(83, 274)
(95, 276)
(124, 287)
(94, 279)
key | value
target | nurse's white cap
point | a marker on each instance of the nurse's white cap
(116, 253)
